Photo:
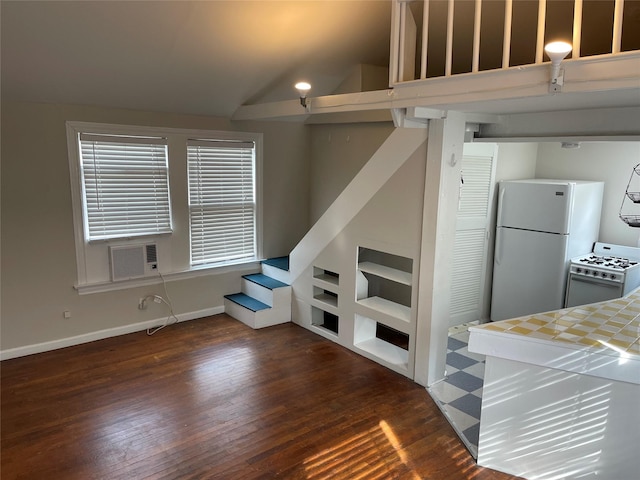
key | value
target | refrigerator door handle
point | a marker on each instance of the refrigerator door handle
(500, 200)
(498, 248)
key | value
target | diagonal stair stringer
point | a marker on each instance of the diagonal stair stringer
(391, 155)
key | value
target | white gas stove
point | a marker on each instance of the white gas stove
(610, 271)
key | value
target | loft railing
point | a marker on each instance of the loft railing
(436, 38)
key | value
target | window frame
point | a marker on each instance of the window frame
(173, 248)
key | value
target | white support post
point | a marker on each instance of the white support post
(542, 15)
(476, 36)
(617, 26)
(506, 42)
(442, 187)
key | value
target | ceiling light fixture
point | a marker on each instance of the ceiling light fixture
(303, 88)
(557, 51)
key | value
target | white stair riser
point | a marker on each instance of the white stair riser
(278, 297)
(276, 273)
(259, 319)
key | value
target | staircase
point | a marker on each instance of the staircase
(265, 299)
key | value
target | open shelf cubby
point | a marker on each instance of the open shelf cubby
(326, 320)
(381, 341)
(325, 296)
(325, 277)
(384, 283)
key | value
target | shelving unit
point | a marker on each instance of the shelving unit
(384, 325)
(324, 311)
(632, 194)
(325, 320)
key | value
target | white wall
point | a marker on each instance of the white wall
(338, 152)
(38, 252)
(610, 162)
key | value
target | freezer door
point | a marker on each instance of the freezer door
(529, 273)
(542, 207)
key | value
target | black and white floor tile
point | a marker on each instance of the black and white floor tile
(459, 395)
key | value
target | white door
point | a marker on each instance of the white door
(470, 250)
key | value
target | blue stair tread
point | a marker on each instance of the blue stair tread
(279, 262)
(247, 302)
(265, 281)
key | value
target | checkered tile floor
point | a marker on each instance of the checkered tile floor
(459, 395)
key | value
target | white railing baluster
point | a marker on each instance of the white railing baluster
(577, 29)
(403, 38)
(425, 39)
(506, 42)
(449, 53)
(542, 15)
(476, 36)
(617, 26)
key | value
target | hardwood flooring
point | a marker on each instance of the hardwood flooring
(213, 399)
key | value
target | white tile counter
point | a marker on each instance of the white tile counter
(561, 397)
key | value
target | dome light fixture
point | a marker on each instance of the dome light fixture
(303, 88)
(557, 51)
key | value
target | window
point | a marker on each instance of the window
(194, 194)
(222, 207)
(125, 186)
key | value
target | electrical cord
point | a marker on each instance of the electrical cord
(158, 299)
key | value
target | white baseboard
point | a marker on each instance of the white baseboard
(101, 334)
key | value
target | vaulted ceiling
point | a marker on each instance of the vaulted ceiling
(196, 57)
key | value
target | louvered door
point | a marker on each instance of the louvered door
(469, 268)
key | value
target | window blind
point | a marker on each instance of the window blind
(221, 201)
(125, 186)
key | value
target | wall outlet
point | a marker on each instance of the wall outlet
(142, 304)
(66, 314)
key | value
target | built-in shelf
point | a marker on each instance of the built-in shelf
(387, 307)
(381, 342)
(383, 323)
(326, 278)
(385, 351)
(383, 271)
(324, 296)
(325, 320)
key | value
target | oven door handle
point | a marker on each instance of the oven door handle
(594, 280)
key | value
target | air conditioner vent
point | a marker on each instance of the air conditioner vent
(133, 261)
(151, 253)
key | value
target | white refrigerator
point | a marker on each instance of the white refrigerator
(541, 225)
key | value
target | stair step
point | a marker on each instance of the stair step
(265, 281)
(279, 262)
(247, 302)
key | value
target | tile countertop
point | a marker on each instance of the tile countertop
(599, 339)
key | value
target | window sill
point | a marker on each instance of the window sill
(100, 287)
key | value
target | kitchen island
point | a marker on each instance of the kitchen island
(561, 395)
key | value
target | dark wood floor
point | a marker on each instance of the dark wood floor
(211, 398)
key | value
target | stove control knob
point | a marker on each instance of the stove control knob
(604, 275)
(595, 274)
(578, 270)
(613, 276)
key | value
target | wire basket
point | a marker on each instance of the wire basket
(631, 220)
(634, 196)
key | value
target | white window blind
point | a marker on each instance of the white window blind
(125, 186)
(222, 201)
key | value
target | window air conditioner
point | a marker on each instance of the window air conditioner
(133, 261)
